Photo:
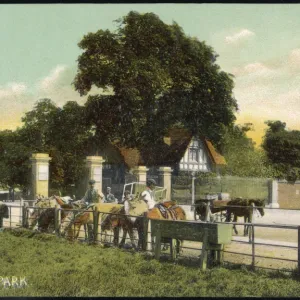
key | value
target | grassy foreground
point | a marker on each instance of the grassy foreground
(55, 267)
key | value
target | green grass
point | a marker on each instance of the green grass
(55, 267)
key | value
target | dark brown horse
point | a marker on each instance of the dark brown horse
(47, 218)
(214, 206)
(244, 208)
(4, 213)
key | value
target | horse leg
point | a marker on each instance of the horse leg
(234, 227)
(125, 230)
(116, 231)
(246, 227)
(131, 235)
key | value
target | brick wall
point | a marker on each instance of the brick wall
(289, 195)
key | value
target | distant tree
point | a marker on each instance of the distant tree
(158, 77)
(14, 160)
(61, 132)
(283, 150)
(242, 158)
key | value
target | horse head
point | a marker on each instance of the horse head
(259, 204)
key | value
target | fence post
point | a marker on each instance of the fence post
(207, 211)
(145, 233)
(10, 208)
(21, 211)
(157, 242)
(24, 216)
(96, 223)
(299, 249)
(253, 247)
(56, 219)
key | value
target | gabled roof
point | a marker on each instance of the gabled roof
(166, 154)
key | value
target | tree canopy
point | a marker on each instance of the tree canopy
(242, 157)
(158, 77)
(61, 132)
(283, 150)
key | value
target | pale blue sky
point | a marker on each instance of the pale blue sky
(259, 44)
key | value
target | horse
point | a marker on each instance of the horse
(43, 213)
(129, 218)
(167, 210)
(73, 222)
(47, 217)
(34, 213)
(4, 213)
(243, 208)
(216, 207)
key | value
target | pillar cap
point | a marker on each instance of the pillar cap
(140, 168)
(40, 156)
(94, 159)
(168, 169)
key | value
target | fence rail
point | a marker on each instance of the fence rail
(17, 218)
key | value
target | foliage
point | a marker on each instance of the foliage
(54, 267)
(61, 132)
(242, 158)
(283, 150)
(14, 160)
(158, 77)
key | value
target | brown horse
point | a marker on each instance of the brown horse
(130, 217)
(244, 208)
(167, 210)
(40, 205)
(4, 213)
(73, 222)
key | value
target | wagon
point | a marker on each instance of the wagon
(210, 209)
(138, 187)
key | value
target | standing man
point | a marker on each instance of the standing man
(148, 194)
(92, 195)
(109, 197)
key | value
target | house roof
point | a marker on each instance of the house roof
(168, 153)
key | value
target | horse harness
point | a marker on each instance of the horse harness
(165, 212)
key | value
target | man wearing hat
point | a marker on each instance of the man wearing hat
(109, 197)
(148, 194)
(92, 195)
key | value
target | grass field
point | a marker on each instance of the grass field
(55, 267)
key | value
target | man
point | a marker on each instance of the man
(148, 194)
(109, 197)
(91, 195)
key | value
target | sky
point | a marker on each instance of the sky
(258, 43)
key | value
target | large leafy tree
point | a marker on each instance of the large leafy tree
(61, 132)
(157, 77)
(242, 157)
(283, 150)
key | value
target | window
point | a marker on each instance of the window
(194, 151)
(193, 154)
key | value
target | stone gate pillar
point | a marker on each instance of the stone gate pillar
(141, 173)
(273, 194)
(94, 166)
(166, 173)
(40, 174)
